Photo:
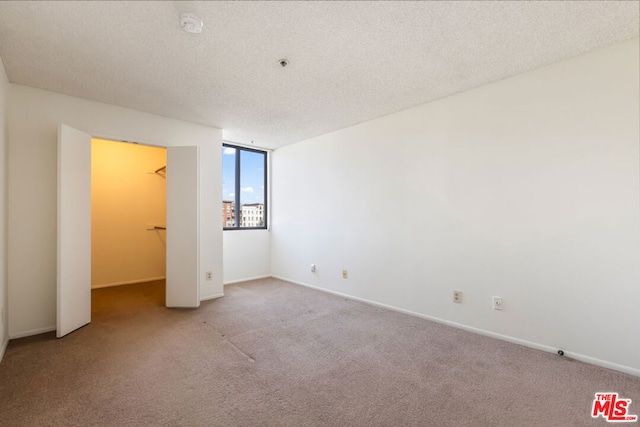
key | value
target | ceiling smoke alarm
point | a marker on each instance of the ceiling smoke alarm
(191, 23)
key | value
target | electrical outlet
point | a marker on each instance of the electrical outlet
(209, 275)
(344, 274)
(497, 303)
(313, 268)
(457, 297)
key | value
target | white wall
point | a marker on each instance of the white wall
(33, 118)
(4, 332)
(527, 189)
(246, 255)
(127, 197)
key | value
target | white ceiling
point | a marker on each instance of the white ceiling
(349, 61)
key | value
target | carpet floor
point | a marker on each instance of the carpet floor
(271, 353)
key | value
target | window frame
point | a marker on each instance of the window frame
(237, 199)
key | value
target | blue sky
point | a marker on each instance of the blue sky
(252, 178)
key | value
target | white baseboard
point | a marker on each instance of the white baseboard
(3, 348)
(127, 282)
(246, 279)
(210, 297)
(581, 357)
(31, 332)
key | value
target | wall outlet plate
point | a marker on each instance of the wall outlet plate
(209, 275)
(344, 274)
(497, 303)
(457, 297)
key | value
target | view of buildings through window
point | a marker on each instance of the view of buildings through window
(243, 184)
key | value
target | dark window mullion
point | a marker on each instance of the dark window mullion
(237, 189)
(264, 192)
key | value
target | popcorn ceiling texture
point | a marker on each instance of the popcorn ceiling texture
(349, 61)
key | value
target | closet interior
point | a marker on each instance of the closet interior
(128, 224)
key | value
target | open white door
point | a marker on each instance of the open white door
(183, 288)
(74, 230)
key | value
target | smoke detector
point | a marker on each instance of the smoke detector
(191, 23)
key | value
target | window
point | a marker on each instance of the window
(244, 188)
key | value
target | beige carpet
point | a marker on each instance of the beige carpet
(275, 354)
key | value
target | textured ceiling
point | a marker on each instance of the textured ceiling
(349, 61)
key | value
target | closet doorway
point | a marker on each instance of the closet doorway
(128, 224)
(73, 262)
